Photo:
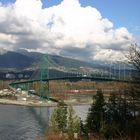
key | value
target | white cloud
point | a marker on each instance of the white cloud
(67, 29)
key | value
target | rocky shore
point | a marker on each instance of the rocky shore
(19, 97)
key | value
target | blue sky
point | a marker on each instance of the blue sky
(120, 12)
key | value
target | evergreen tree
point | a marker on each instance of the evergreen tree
(96, 113)
(118, 114)
(113, 109)
(73, 122)
(59, 118)
(64, 120)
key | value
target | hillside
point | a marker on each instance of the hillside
(15, 60)
(58, 61)
(23, 59)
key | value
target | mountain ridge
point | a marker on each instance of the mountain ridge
(22, 59)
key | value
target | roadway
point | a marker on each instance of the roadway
(72, 78)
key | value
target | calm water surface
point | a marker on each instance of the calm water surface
(28, 123)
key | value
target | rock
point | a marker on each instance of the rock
(24, 92)
(5, 90)
(49, 102)
(19, 89)
(40, 102)
(76, 136)
(24, 99)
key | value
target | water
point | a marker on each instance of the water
(28, 123)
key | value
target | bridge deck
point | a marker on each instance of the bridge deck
(72, 78)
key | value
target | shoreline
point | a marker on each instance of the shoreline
(27, 103)
(39, 103)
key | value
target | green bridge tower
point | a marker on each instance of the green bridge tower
(44, 74)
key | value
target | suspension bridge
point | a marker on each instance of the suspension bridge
(39, 82)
